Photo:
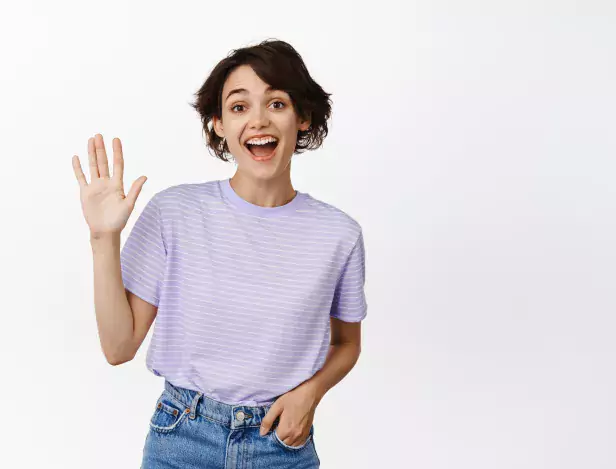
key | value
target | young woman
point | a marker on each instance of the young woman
(257, 288)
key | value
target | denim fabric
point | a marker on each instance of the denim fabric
(191, 431)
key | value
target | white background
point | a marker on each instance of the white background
(473, 141)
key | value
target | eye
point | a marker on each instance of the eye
(232, 109)
(281, 102)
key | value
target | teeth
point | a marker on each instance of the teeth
(261, 141)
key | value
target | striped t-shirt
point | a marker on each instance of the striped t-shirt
(244, 292)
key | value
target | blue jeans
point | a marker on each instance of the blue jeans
(191, 431)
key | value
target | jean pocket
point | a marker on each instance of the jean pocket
(168, 415)
(303, 445)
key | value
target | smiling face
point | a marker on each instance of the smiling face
(250, 108)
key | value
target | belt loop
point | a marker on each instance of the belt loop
(193, 406)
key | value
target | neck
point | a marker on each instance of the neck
(264, 192)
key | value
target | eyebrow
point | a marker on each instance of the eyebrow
(268, 90)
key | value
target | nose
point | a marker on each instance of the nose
(259, 118)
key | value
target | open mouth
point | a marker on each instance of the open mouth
(262, 150)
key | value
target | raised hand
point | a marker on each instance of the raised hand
(105, 206)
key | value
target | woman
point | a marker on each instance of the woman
(258, 289)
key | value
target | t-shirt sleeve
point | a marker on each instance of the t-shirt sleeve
(349, 303)
(144, 254)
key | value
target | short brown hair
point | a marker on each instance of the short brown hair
(279, 65)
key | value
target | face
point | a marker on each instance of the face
(251, 108)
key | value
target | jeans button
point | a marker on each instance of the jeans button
(240, 416)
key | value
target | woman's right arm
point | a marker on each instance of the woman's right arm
(123, 319)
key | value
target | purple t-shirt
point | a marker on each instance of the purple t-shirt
(244, 292)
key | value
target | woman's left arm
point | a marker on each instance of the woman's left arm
(300, 403)
(344, 350)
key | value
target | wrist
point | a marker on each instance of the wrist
(316, 387)
(104, 235)
(104, 239)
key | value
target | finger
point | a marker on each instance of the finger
(269, 418)
(293, 441)
(92, 160)
(101, 156)
(135, 190)
(118, 162)
(81, 178)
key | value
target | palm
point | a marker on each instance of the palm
(105, 206)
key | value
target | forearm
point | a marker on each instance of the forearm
(341, 358)
(114, 317)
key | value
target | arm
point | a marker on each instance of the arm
(349, 308)
(301, 402)
(344, 351)
(123, 319)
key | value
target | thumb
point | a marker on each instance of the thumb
(269, 418)
(135, 190)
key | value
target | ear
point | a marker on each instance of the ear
(303, 125)
(217, 124)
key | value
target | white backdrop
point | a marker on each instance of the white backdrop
(473, 141)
